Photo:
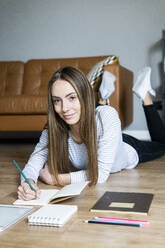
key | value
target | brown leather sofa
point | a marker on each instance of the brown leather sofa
(23, 91)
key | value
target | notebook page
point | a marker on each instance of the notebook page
(71, 189)
(43, 199)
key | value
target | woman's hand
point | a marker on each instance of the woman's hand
(25, 193)
(46, 176)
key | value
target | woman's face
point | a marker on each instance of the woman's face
(66, 102)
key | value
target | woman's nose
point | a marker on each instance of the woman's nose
(65, 106)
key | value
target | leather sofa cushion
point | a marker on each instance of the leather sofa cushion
(11, 78)
(39, 71)
(23, 105)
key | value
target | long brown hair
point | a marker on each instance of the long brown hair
(58, 155)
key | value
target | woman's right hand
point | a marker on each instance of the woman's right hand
(25, 193)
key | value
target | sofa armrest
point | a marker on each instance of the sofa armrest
(122, 99)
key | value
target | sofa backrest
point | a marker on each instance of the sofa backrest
(11, 78)
(32, 78)
(39, 71)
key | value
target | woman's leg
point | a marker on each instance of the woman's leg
(143, 89)
(155, 124)
(146, 150)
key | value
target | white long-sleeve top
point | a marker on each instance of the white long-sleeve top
(113, 154)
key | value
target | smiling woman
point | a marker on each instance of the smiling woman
(71, 112)
(66, 102)
(84, 143)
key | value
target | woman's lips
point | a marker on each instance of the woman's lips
(67, 117)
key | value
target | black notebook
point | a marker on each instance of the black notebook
(123, 202)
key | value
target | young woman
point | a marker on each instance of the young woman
(82, 142)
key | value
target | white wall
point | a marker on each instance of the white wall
(131, 29)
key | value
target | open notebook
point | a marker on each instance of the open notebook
(52, 215)
(55, 195)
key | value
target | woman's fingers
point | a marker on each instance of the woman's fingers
(25, 193)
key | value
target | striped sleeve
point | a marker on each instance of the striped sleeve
(37, 159)
(109, 140)
(78, 176)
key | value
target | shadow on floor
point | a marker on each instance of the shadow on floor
(19, 137)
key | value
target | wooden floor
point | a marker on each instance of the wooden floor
(148, 177)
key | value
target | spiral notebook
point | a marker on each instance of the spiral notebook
(52, 215)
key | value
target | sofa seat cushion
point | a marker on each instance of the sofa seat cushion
(23, 105)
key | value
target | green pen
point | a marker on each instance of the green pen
(23, 175)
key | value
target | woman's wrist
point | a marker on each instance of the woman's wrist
(64, 179)
(29, 179)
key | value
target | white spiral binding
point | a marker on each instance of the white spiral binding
(43, 221)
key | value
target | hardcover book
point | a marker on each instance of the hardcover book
(127, 202)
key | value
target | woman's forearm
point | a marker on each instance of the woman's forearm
(47, 177)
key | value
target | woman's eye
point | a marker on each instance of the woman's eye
(72, 98)
(56, 102)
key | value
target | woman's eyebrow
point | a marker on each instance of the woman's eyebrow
(65, 96)
(71, 93)
(55, 97)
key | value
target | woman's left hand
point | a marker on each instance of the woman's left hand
(46, 176)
